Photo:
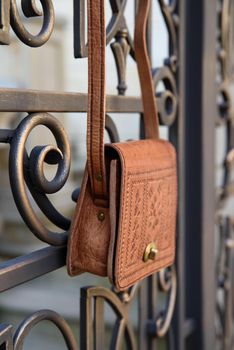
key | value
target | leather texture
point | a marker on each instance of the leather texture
(147, 210)
(151, 122)
(129, 191)
(97, 98)
(89, 237)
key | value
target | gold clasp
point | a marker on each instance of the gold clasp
(150, 252)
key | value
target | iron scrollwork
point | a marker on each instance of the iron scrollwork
(9, 15)
(26, 172)
(167, 284)
(16, 341)
(6, 340)
(121, 303)
(29, 168)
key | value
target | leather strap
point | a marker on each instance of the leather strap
(97, 98)
(96, 90)
(151, 122)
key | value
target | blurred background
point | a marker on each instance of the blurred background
(53, 67)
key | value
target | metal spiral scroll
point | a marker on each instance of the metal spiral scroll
(44, 315)
(24, 168)
(30, 10)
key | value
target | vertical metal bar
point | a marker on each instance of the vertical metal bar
(200, 97)
(177, 136)
(143, 316)
(228, 319)
(86, 321)
(152, 307)
(99, 326)
(80, 47)
(4, 22)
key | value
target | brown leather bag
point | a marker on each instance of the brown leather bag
(125, 221)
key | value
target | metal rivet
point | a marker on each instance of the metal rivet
(98, 177)
(150, 252)
(101, 216)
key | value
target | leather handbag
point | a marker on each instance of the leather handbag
(125, 220)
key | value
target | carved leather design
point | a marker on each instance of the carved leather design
(147, 209)
(145, 213)
(143, 198)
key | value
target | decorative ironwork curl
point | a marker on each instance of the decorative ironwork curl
(111, 129)
(44, 315)
(121, 49)
(172, 23)
(29, 169)
(6, 341)
(116, 24)
(30, 10)
(167, 283)
(168, 108)
(120, 304)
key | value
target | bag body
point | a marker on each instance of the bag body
(125, 220)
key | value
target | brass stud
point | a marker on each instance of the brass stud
(98, 177)
(150, 252)
(101, 216)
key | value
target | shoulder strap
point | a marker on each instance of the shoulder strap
(96, 91)
(144, 70)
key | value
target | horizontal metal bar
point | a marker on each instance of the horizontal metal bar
(17, 100)
(25, 268)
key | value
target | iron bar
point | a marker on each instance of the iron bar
(16, 100)
(25, 268)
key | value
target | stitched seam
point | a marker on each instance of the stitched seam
(120, 262)
(131, 173)
(101, 110)
(91, 91)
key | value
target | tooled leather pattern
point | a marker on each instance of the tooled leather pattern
(147, 210)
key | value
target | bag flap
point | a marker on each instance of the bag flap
(144, 229)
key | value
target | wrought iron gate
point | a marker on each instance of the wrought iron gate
(195, 98)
